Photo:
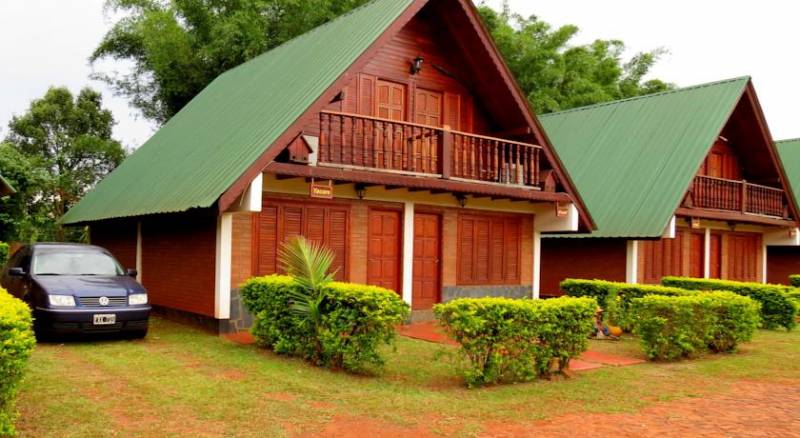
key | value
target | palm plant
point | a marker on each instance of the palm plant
(309, 264)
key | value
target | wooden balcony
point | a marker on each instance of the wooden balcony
(363, 142)
(739, 196)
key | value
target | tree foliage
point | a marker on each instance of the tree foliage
(177, 47)
(556, 75)
(55, 152)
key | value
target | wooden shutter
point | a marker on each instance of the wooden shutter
(663, 257)
(267, 241)
(366, 94)
(452, 111)
(428, 107)
(697, 255)
(391, 100)
(715, 256)
(280, 221)
(742, 256)
(488, 249)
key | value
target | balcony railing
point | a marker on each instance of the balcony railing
(402, 147)
(741, 196)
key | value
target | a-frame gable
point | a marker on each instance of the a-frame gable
(744, 151)
(496, 87)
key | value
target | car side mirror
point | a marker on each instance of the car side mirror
(16, 272)
(132, 273)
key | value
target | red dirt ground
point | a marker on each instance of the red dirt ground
(750, 409)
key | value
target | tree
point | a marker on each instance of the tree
(556, 76)
(64, 145)
(177, 47)
(22, 215)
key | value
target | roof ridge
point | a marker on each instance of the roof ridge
(645, 96)
(303, 35)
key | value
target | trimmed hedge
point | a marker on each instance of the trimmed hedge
(673, 327)
(794, 280)
(356, 320)
(3, 254)
(16, 342)
(626, 293)
(777, 308)
(600, 290)
(507, 340)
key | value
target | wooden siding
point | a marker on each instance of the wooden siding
(581, 258)
(178, 261)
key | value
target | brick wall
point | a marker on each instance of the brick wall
(119, 237)
(782, 261)
(241, 248)
(179, 259)
(581, 258)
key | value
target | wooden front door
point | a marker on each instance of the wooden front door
(391, 100)
(742, 261)
(715, 256)
(383, 249)
(697, 255)
(427, 253)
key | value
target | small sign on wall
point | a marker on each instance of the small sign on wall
(695, 223)
(321, 190)
(562, 210)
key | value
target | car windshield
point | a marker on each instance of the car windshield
(60, 262)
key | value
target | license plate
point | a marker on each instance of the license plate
(105, 319)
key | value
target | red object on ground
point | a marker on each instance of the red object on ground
(590, 360)
(244, 338)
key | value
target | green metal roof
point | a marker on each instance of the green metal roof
(633, 160)
(789, 151)
(5, 187)
(196, 156)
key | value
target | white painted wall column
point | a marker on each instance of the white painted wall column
(139, 252)
(707, 254)
(632, 263)
(537, 263)
(222, 286)
(408, 252)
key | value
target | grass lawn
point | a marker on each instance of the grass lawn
(182, 381)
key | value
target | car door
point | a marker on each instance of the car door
(18, 286)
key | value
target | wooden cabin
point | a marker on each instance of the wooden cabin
(783, 259)
(395, 135)
(685, 182)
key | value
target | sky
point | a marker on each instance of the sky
(47, 43)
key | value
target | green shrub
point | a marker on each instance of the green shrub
(626, 293)
(16, 343)
(673, 327)
(794, 280)
(600, 290)
(355, 320)
(3, 254)
(777, 308)
(506, 340)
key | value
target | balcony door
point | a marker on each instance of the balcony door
(391, 100)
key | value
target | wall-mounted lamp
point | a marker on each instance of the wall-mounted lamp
(462, 199)
(361, 191)
(793, 232)
(416, 65)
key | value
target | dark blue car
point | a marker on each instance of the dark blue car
(77, 289)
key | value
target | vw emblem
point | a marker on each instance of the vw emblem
(103, 301)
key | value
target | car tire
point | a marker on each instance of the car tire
(138, 334)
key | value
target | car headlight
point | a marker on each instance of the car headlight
(62, 300)
(137, 299)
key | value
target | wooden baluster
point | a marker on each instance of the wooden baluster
(744, 196)
(517, 164)
(364, 143)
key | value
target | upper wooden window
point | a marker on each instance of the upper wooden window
(428, 107)
(391, 100)
(279, 221)
(489, 249)
(722, 162)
